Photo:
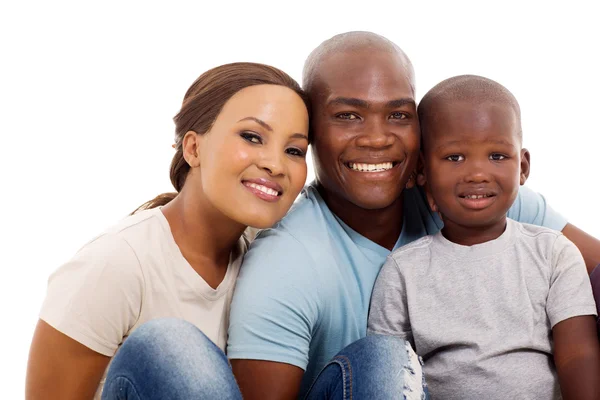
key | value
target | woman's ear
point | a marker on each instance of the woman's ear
(191, 149)
(525, 166)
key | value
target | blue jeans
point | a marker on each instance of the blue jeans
(172, 359)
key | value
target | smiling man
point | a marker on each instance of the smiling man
(304, 290)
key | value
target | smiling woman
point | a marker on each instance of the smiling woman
(241, 140)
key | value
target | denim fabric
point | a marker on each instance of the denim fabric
(169, 359)
(172, 359)
(375, 367)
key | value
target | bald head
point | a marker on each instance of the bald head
(353, 43)
(471, 89)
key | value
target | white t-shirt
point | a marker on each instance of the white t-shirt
(129, 275)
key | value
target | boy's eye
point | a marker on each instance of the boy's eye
(455, 158)
(251, 137)
(398, 115)
(295, 152)
(347, 115)
(497, 157)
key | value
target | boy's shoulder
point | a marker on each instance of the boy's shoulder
(419, 246)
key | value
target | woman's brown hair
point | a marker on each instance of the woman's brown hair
(202, 104)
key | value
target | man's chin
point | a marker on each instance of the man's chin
(373, 203)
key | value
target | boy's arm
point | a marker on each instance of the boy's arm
(531, 208)
(577, 358)
(588, 245)
(388, 313)
(274, 310)
(571, 310)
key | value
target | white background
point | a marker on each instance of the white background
(88, 91)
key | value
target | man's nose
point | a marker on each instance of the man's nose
(375, 135)
(478, 172)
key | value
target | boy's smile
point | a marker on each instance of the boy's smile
(473, 163)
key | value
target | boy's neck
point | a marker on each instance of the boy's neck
(470, 236)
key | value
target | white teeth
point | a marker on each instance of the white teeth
(263, 189)
(371, 167)
(476, 196)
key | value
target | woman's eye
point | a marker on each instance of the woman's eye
(455, 158)
(497, 157)
(251, 137)
(295, 152)
(348, 116)
(398, 115)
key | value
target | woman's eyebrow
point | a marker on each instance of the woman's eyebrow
(258, 121)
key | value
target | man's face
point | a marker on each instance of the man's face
(474, 162)
(365, 128)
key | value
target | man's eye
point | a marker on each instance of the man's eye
(398, 115)
(251, 137)
(455, 158)
(497, 157)
(349, 116)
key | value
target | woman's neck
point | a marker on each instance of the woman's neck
(203, 234)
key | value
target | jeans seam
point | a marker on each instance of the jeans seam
(349, 366)
(131, 384)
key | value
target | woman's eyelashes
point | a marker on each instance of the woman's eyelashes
(294, 151)
(255, 138)
(251, 137)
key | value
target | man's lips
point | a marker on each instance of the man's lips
(371, 166)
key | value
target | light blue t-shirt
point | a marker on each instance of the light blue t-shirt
(305, 285)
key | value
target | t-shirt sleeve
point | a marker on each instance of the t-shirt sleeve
(276, 302)
(570, 292)
(96, 297)
(531, 208)
(388, 314)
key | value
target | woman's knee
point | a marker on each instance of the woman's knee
(172, 356)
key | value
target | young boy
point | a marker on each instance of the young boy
(497, 309)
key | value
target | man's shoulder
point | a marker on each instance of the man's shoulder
(301, 230)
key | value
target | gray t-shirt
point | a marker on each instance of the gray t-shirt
(481, 316)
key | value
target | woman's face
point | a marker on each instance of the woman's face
(253, 159)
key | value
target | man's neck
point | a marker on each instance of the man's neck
(382, 226)
(470, 236)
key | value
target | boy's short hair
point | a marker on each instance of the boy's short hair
(465, 88)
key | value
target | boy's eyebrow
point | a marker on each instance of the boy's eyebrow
(352, 101)
(455, 142)
(258, 121)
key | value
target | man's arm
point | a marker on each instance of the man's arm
(588, 245)
(267, 380)
(577, 358)
(273, 313)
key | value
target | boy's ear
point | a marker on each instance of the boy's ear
(525, 165)
(191, 149)
(421, 177)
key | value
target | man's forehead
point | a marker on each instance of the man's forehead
(356, 74)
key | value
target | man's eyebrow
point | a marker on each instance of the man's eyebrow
(258, 121)
(349, 101)
(401, 102)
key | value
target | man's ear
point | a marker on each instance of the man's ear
(525, 166)
(191, 149)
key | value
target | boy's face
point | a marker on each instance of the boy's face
(474, 163)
